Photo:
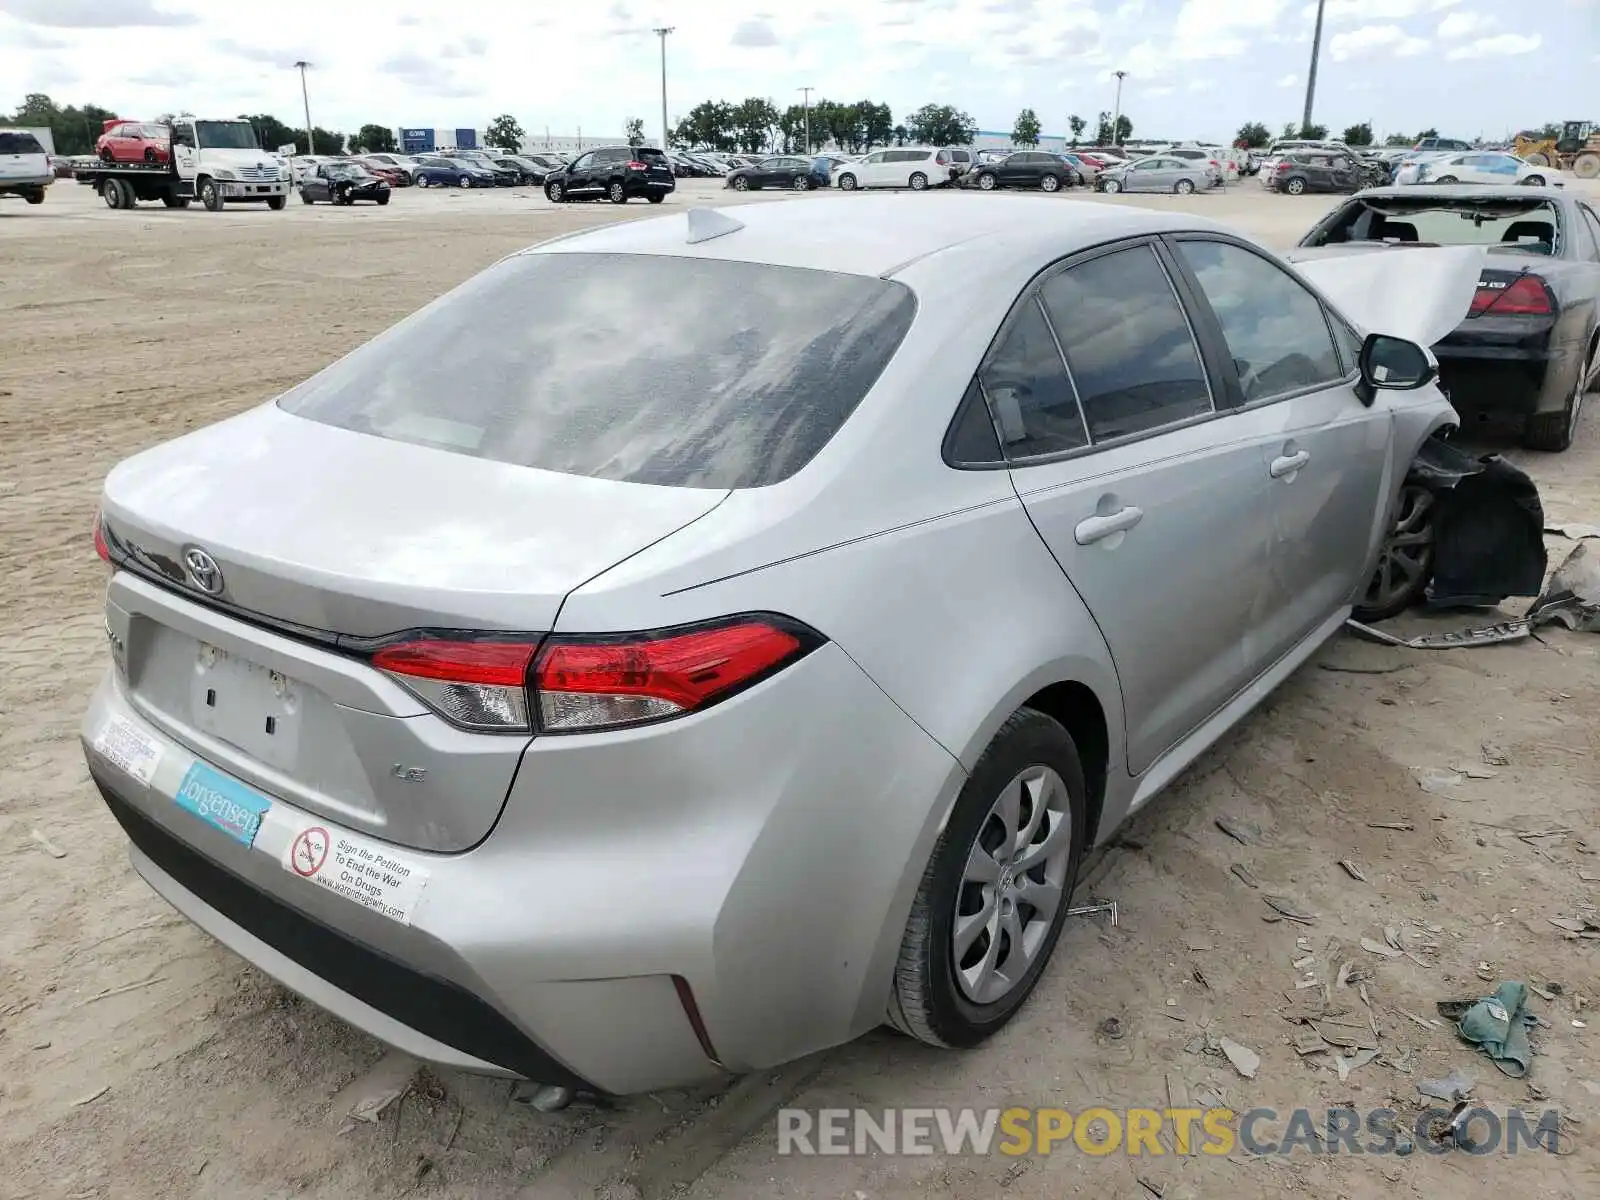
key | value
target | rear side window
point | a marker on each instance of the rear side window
(648, 368)
(12, 142)
(1030, 396)
(1128, 344)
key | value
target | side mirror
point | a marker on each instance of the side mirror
(1393, 364)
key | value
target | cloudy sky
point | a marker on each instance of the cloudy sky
(1196, 68)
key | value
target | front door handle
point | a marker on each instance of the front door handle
(1092, 529)
(1288, 464)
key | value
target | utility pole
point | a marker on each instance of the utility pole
(661, 32)
(1116, 113)
(1311, 75)
(806, 92)
(311, 145)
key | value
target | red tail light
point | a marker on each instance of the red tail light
(604, 683)
(1282, 167)
(638, 166)
(100, 547)
(1526, 296)
(477, 685)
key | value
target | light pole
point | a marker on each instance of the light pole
(806, 92)
(1311, 75)
(1116, 110)
(661, 32)
(301, 65)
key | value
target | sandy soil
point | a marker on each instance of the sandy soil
(140, 1059)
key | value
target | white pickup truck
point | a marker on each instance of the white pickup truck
(215, 162)
(25, 168)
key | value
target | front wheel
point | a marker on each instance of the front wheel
(616, 193)
(211, 195)
(847, 183)
(987, 182)
(918, 181)
(1447, 179)
(996, 889)
(305, 197)
(554, 193)
(275, 203)
(382, 198)
(422, 181)
(1405, 564)
(1049, 184)
(1183, 187)
(1111, 187)
(465, 181)
(1532, 181)
(741, 184)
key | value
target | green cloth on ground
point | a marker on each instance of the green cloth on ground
(1498, 1025)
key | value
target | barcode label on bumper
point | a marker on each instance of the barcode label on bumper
(364, 872)
(121, 742)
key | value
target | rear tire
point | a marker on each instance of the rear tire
(655, 197)
(801, 184)
(34, 197)
(106, 156)
(116, 193)
(422, 181)
(1295, 187)
(1032, 761)
(1554, 432)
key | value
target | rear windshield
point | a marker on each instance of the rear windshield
(12, 142)
(1500, 225)
(647, 368)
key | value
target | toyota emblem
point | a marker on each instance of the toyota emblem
(202, 571)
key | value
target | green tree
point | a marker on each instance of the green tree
(1025, 132)
(1291, 130)
(901, 135)
(877, 123)
(1253, 135)
(1430, 132)
(635, 131)
(941, 125)
(272, 133)
(324, 141)
(1312, 133)
(1077, 124)
(1358, 135)
(505, 133)
(1105, 135)
(792, 130)
(709, 126)
(840, 123)
(753, 122)
(374, 139)
(1395, 140)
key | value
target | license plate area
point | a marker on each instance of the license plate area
(246, 705)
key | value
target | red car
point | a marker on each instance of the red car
(134, 141)
(393, 176)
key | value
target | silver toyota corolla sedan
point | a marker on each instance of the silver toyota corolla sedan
(692, 643)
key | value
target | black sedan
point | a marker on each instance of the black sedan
(343, 183)
(526, 170)
(1529, 349)
(1025, 168)
(784, 171)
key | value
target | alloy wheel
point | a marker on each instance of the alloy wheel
(1407, 554)
(1012, 885)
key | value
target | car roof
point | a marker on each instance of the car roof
(1466, 191)
(886, 233)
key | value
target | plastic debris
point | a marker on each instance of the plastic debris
(1438, 780)
(1495, 756)
(1288, 910)
(1387, 951)
(1245, 1060)
(1455, 1086)
(1246, 833)
(1352, 870)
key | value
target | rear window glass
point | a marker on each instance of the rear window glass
(1509, 225)
(12, 142)
(646, 368)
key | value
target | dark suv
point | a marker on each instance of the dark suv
(616, 173)
(1316, 171)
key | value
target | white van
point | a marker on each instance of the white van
(917, 168)
(24, 166)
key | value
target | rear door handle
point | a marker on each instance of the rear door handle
(1092, 529)
(1288, 464)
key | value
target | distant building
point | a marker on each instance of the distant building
(988, 139)
(419, 140)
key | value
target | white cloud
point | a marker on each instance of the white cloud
(1351, 11)
(1202, 84)
(1289, 81)
(1500, 44)
(94, 14)
(758, 32)
(1375, 39)
(1462, 24)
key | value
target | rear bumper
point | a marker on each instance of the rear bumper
(30, 184)
(1502, 369)
(762, 853)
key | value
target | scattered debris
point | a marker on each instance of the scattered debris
(369, 1109)
(91, 1098)
(1246, 833)
(1359, 1059)
(1540, 992)
(1495, 756)
(1472, 771)
(1300, 964)
(1455, 1086)
(1288, 910)
(1111, 1028)
(1346, 669)
(1438, 780)
(1308, 1041)
(1578, 927)
(1352, 870)
(1572, 597)
(1098, 906)
(1574, 530)
(1244, 1060)
(1485, 972)
(1242, 874)
(1498, 1025)
(45, 844)
(1199, 942)
(1423, 1021)
(1483, 635)
(1343, 1029)
(127, 987)
(1400, 826)
(1373, 947)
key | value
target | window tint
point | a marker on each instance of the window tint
(12, 142)
(1592, 222)
(1029, 393)
(648, 368)
(1275, 328)
(1128, 343)
(972, 441)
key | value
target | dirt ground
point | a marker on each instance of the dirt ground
(138, 1058)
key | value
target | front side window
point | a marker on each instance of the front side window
(1127, 343)
(1276, 332)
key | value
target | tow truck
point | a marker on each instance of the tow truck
(215, 162)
